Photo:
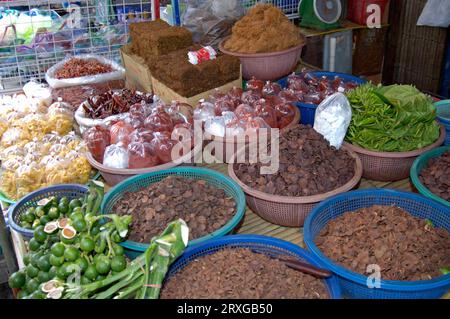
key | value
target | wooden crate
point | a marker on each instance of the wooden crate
(168, 95)
(137, 74)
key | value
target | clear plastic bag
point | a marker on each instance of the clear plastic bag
(141, 155)
(118, 73)
(97, 139)
(332, 118)
(116, 156)
(210, 21)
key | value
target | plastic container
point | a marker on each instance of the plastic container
(113, 176)
(338, 52)
(443, 116)
(308, 111)
(267, 66)
(420, 163)
(358, 10)
(71, 191)
(390, 166)
(290, 211)
(261, 244)
(134, 249)
(354, 285)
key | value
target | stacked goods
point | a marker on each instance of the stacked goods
(405, 247)
(262, 105)
(204, 207)
(37, 148)
(396, 118)
(436, 176)
(144, 137)
(176, 72)
(156, 38)
(264, 29)
(308, 88)
(239, 273)
(308, 166)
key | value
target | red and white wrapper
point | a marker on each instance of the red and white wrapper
(204, 54)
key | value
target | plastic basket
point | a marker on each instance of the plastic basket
(290, 211)
(420, 163)
(390, 166)
(70, 191)
(133, 249)
(353, 284)
(443, 116)
(308, 111)
(259, 244)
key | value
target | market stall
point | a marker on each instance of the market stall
(220, 146)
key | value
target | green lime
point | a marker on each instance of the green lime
(67, 241)
(103, 265)
(98, 256)
(34, 245)
(100, 277)
(36, 223)
(32, 271)
(75, 203)
(58, 249)
(56, 261)
(54, 238)
(91, 273)
(32, 285)
(44, 263)
(71, 254)
(43, 277)
(79, 224)
(39, 234)
(34, 257)
(87, 244)
(53, 201)
(83, 263)
(39, 211)
(22, 294)
(64, 200)
(53, 272)
(26, 225)
(29, 215)
(17, 280)
(95, 230)
(63, 208)
(44, 220)
(61, 272)
(26, 259)
(85, 280)
(118, 263)
(76, 216)
(53, 213)
(38, 295)
(118, 250)
(71, 268)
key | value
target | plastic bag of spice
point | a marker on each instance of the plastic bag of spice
(332, 118)
(141, 155)
(117, 72)
(163, 146)
(116, 156)
(97, 140)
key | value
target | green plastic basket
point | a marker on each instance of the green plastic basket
(420, 163)
(135, 183)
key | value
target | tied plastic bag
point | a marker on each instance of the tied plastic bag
(118, 73)
(210, 21)
(97, 139)
(436, 13)
(332, 119)
(116, 156)
(142, 155)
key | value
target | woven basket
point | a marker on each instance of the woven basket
(233, 144)
(113, 176)
(390, 166)
(291, 211)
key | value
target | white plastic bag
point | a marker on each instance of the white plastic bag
(117, 74)
(436, 13)
(38, 91)
(332, 118)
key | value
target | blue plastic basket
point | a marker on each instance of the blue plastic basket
(353, 284)
(260, 244)
(308, 111)
(443, 116)
(135, 183)
(70, 191)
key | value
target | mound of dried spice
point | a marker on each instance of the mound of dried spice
(76, 67)
(436, 176)
(240, 273)
(403, 246)
(202, 206)
(308, 166)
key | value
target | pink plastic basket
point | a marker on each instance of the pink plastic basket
(291, 211)
(390, 166)
(267, 66)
